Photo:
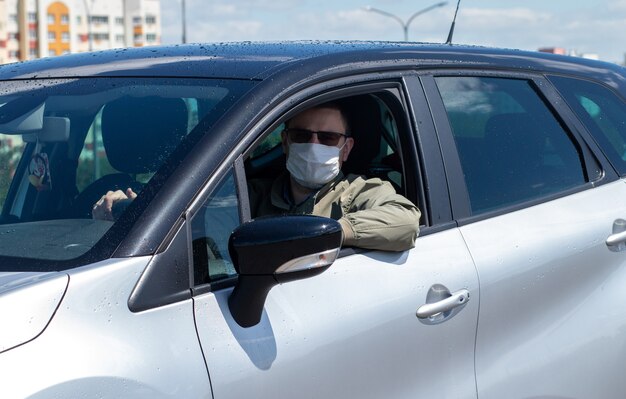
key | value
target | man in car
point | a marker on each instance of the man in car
(317, 141)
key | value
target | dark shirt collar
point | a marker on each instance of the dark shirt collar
(281, 191)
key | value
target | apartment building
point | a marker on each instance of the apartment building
(42, 28)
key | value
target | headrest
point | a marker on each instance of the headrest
(364, 118)
(138, 133)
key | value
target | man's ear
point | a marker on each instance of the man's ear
(347, 147)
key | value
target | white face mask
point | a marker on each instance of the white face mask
(313, 165)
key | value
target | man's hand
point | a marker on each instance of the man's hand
(102, 209)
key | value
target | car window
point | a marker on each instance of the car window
(271, 142)
(377, 136)
(602, 111)
(211, 229)
(511, 146)
(376, 152)
(66, 143)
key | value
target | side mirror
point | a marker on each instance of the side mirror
(276, 250)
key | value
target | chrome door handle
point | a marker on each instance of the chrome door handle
(456, 299)
(617, 241)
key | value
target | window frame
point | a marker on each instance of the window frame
(317, 94)
(436, 192)
(411, 168)
(462, 213)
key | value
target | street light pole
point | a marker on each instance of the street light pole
(94, 143)
(405, 25)
(88, 15)
(184, 22)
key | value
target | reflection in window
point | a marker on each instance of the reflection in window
(512, 148)
(11, 148)
(211, 229)
(603, 113)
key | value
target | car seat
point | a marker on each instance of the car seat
(363, 116)
(366, 125)
(138, 134)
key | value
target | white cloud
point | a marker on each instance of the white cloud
(226, 31)
(218, 9)
(582, 30)
(491, 19)
(589, 27)
(506, 27)
(619, 6)
(358, 24)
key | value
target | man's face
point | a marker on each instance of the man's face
(321, 120)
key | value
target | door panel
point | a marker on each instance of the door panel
(352, 331)
(552, 319)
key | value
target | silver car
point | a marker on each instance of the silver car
(514, 289)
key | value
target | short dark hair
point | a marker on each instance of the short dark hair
(335, 105)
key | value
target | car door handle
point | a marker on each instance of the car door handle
(617, 241)
(456, 299)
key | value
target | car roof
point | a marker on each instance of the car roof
(259, 60)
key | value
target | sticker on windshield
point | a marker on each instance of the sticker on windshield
(39, 172)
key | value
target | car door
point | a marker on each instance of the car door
(539, 211)
(349, 332)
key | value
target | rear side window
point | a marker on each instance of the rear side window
(602, 111)
(511, 146)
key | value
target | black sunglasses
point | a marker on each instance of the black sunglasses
(304, 136)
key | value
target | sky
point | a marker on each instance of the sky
(584, 27)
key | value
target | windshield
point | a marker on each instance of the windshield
(65, 142)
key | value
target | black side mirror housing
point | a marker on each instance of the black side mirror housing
(275, 250)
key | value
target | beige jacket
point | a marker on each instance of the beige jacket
(371, 213)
